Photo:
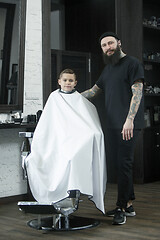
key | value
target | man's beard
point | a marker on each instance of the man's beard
(114, 58)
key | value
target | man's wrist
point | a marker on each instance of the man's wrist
(131, 118)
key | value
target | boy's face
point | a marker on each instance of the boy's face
(67, 82)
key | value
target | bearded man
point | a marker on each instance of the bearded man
(122, 83)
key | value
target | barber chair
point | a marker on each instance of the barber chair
(61, 218)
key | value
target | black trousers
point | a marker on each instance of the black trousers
(120, 153)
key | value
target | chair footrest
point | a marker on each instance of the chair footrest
(37, 208)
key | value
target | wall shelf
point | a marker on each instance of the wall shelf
(152, 28)
(151, 61)
(151, 95)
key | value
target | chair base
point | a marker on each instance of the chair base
(69, 223)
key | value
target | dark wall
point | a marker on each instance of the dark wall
(77, 25)
(85, 21)
(102, 20)
(129, 26)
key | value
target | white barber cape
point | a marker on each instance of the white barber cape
(67, 151)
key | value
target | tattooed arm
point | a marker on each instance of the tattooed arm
(127, 131)
(92, 92)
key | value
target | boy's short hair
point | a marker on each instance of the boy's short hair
(67, 70)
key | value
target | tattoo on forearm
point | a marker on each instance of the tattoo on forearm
(91, 92)
(137, 89)
(88, 93)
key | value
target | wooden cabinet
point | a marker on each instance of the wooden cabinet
(149, 142)
(151, 60)
(151, 154)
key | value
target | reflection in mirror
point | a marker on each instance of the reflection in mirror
(2, 27)
(9, 51)
(11, 55)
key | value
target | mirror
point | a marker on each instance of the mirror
(12, 32)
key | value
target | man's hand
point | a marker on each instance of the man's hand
(127, 131)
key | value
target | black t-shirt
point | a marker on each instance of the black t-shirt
(116, 81)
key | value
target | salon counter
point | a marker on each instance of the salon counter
(12, 181)
(13, 125)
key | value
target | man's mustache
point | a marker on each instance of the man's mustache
(109, 51)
